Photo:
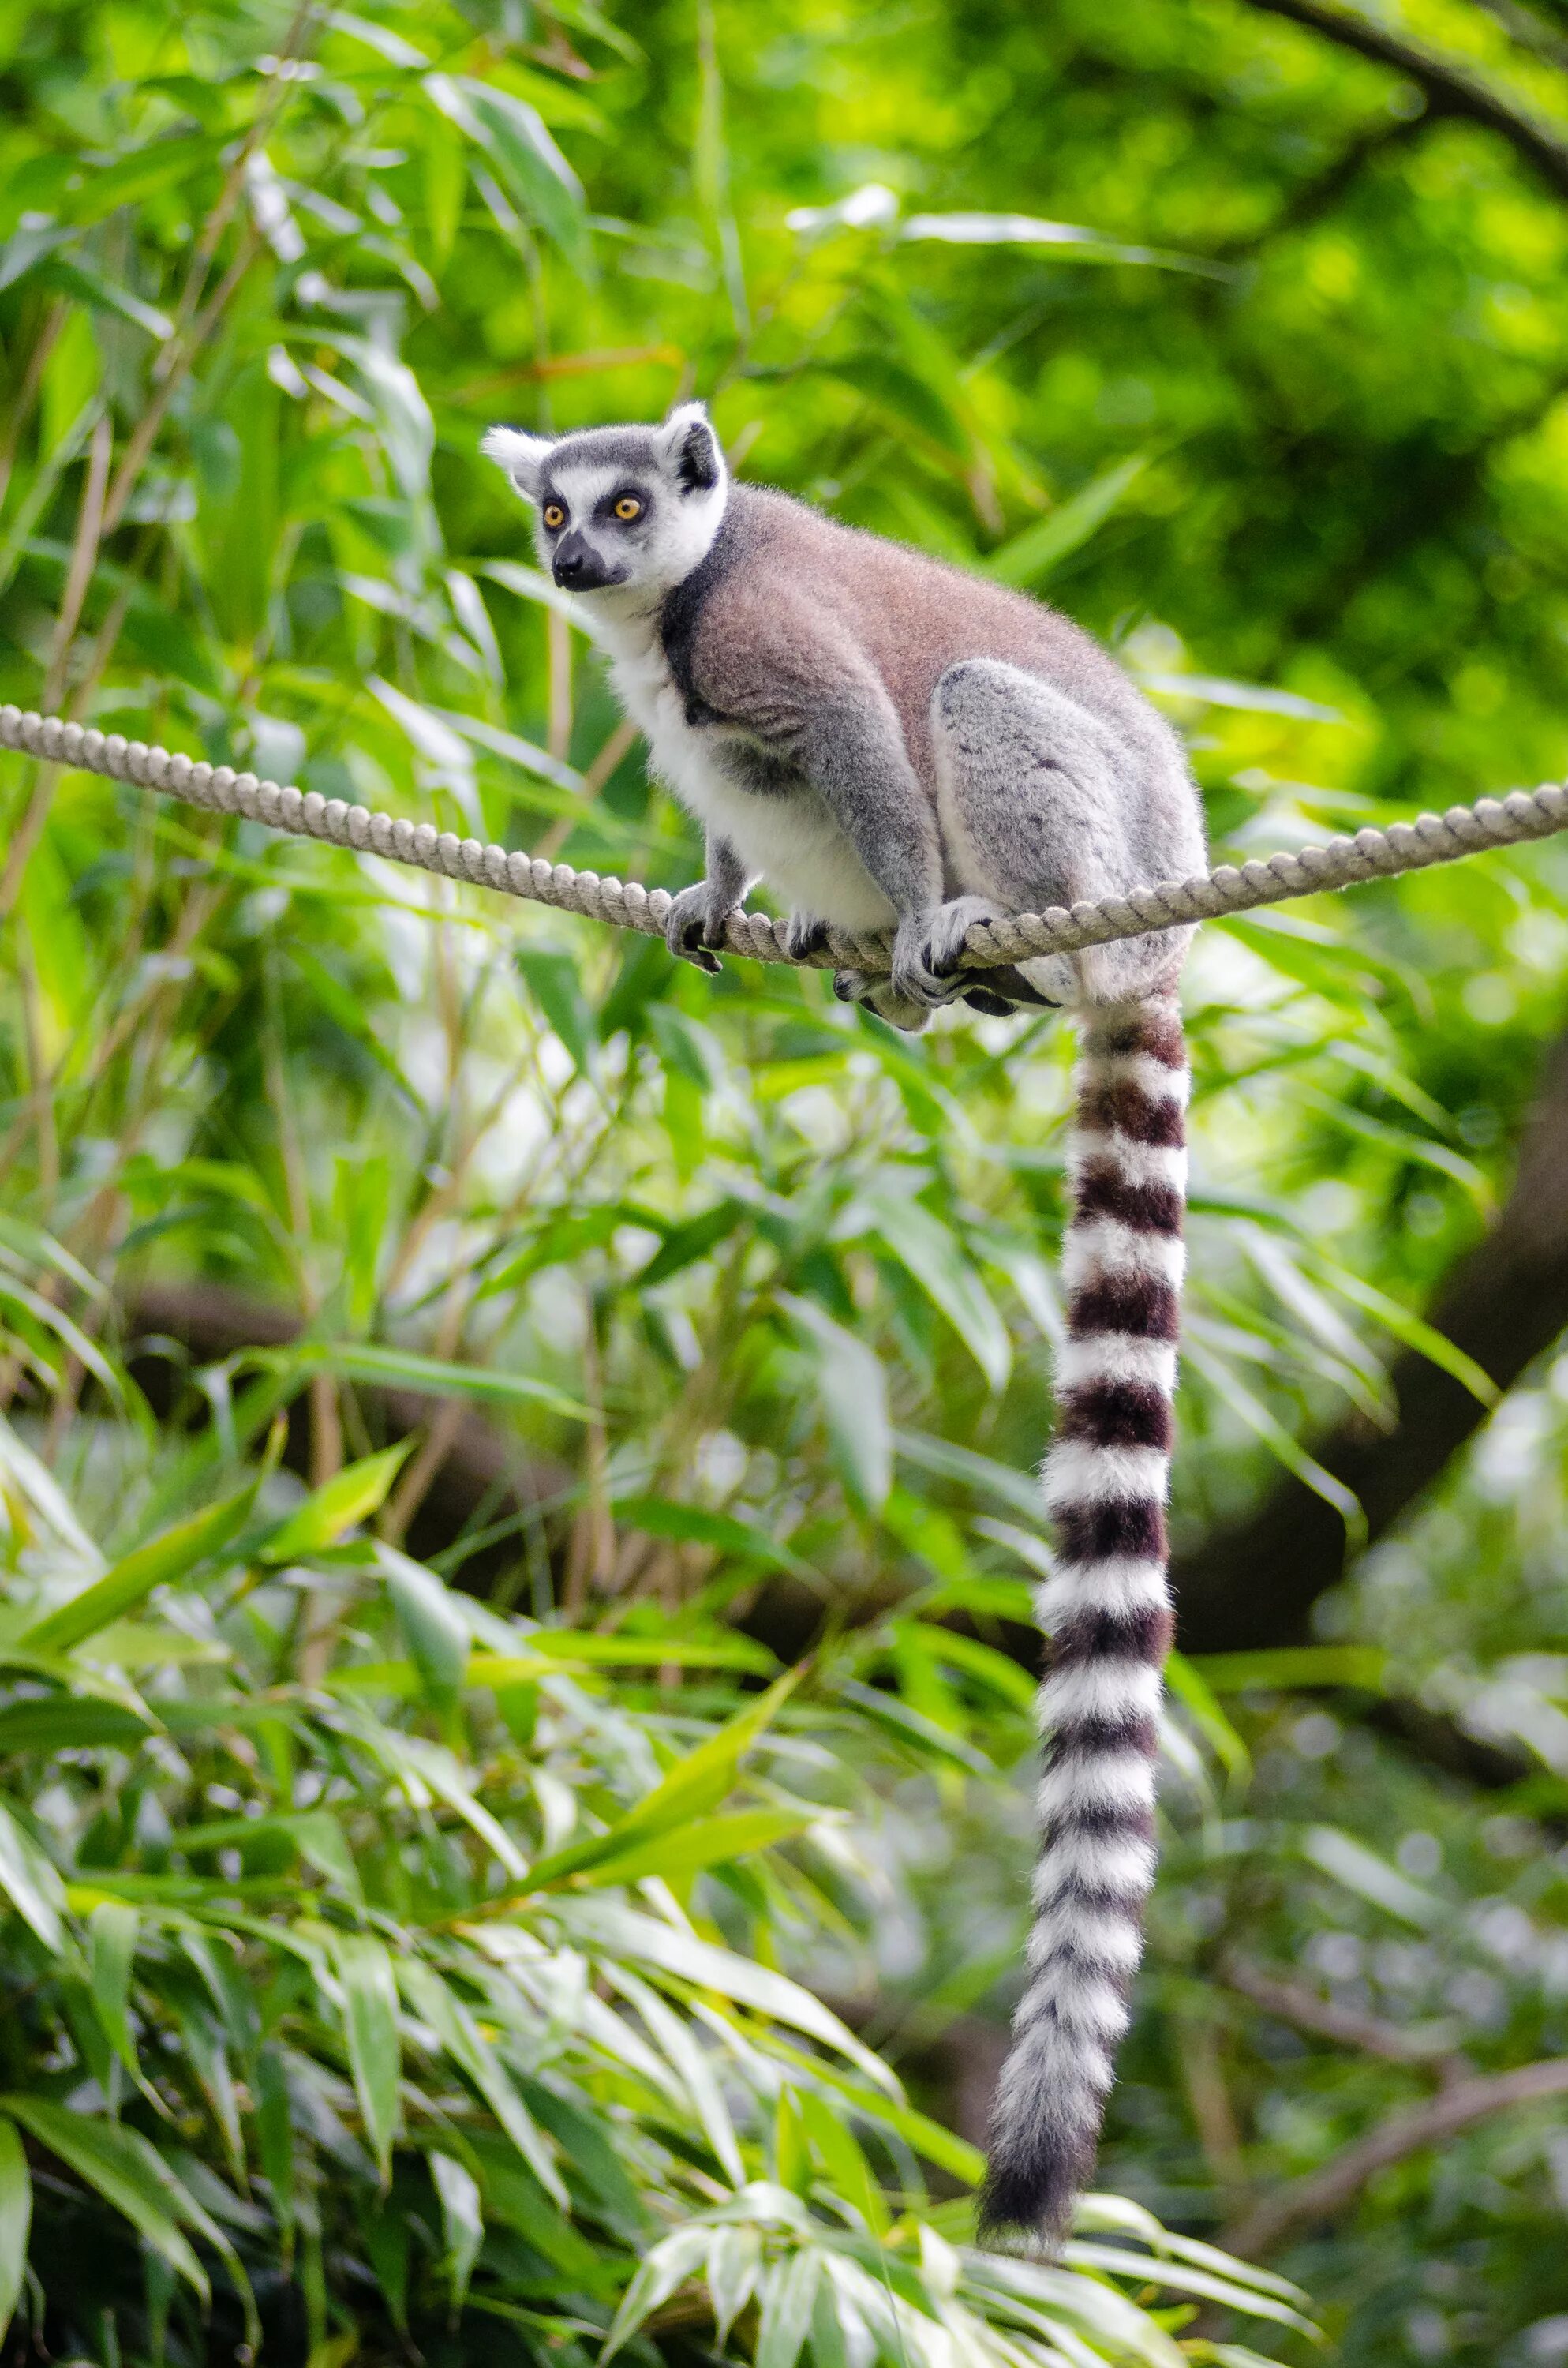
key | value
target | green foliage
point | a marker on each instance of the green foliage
(431, 2033)
(732, 1313)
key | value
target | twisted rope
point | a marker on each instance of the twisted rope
(625, 905)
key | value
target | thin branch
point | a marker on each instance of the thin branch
(616, 746)
(27, 392)
(1449, 86)
(90, 530)
(1291, 2001)
(1317, 197)
(1302, 2202)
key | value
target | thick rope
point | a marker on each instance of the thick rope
(1336, 863)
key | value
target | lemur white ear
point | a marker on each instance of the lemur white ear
(521, 456)
(688, 449)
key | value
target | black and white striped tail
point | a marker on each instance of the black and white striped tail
(1106, 1609)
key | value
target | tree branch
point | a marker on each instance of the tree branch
(1289, 2001)
(1323, 2194)
(1504, 1302)
(1449, 87)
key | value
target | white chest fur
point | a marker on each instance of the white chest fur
(789, 839)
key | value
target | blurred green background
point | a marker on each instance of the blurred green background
(453, 1360)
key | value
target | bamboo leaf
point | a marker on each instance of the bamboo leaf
(112, 1928)
(1040, 550)
(16, 2220)
(119, 2164)
(32, 1882)
(435, 2003)
(340, 1504)
(462, 2220)
(672, 1856)
(667, 2266)
(364, 1967)
(852, 1386)
(931, 1253)
(693, 1785)
(669, 1950)
(789, 2293)
(172, 1555)
(433, 1630)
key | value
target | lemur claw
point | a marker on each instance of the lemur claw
(878, 992)
(695, 925)
(804, 935)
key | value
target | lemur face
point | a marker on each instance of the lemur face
(623, 512)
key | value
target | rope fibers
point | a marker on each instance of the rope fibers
(625, 905)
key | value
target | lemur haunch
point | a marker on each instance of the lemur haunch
(892, 743)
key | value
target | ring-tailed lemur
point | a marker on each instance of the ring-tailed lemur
(890, 743)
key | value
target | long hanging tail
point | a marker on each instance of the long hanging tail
(1106, 1609)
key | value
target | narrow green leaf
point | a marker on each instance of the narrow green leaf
(568, 1648)
(274, 2139)
(736, 1540)
(735, 2262)
(684, 1245)
(132, 1580)
(1003, 1483)
(553, 982)
(112, 1928)
(1361, 1870)
(536, 175)
(705, 1841)
(668, 1949)
(1192, 1684)
(1034, 554)
(16, 2220)
(119, 2164)
(350, 1498)
(1287, 1449)
(433, 1630)
(853, 1392)
(437, 2003)
(1414, 1333)
(666, 2267)
(71, 1722)
(462, 2222)
(364, 1967)
(693, 1785)
(931, 1253)
(361, 1361)
(1287, 1668)
(32, 1882)
(789, 2292)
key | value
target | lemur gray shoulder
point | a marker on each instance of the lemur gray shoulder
(892, 743)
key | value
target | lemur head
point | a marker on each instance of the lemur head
(625, 512)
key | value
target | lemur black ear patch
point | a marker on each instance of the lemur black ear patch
(696, 459)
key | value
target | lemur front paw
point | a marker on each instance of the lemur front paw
(695, 924)
(877, 992)
(804, 935)
(927, 949)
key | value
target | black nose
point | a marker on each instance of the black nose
(579, 568)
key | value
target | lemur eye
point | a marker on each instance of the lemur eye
(629, 507)
(554, 515)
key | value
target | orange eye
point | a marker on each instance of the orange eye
(629, 507)
(554, 515)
